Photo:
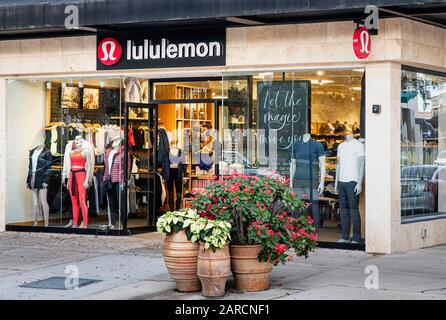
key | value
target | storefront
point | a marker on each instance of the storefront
(180, 109)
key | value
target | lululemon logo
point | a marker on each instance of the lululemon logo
(109, 51)
(365, 38)
(362, 43)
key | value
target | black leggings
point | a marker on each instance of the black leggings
(174, 179)
(115, 198)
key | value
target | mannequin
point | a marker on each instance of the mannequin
(307, 157)
(79, 165)
(69, 147)
(348, 183)
(66, 163)
(175, 176)
(114, 177)
(37, 181)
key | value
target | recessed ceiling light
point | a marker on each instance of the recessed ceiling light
(320, 73)
(321, 82)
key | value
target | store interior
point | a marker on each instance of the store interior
(92, 107)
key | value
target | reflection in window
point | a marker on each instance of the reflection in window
(423, 148)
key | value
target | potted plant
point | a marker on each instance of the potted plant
(264, 233)
(214, 262)
(179, 252)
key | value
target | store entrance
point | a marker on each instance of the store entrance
(170, 149)
(141, 126)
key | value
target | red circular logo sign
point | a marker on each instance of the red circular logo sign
(362, 43)
(109, 51)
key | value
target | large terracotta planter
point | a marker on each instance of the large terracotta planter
(181, 256)
(249, 273)
(214, 268)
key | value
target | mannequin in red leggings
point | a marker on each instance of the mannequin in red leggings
(78, 182)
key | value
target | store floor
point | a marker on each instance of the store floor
(330, 232)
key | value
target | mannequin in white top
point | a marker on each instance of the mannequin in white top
(68, 149)
(360, 165)
(348, 183)
(39, 192)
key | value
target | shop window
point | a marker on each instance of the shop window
(423, 145)
(270, 119)
(59, 134)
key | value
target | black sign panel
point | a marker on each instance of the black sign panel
(140, 50)
(282, 106)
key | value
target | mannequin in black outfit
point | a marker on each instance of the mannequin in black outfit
(38, 179)
(175, 176)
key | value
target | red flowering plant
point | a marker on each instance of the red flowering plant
(260, 211)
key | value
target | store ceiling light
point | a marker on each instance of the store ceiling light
(321, 82)
(320, 73)
(264, 75)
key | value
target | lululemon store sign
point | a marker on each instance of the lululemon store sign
(362, 43)
(161, 50)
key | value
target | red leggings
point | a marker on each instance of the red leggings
(78, 195)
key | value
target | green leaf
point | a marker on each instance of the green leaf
(187, 223)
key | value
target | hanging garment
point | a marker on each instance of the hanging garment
(134, 165)
(131, 138)
(54, 140)
(163, 153)
(132, 205)
(48, 138)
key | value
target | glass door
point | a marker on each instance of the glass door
(141, 123)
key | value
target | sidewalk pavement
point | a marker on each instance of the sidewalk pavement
(133, 268)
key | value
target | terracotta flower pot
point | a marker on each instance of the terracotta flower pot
(180, 257)
(249, 273)
(214, 268)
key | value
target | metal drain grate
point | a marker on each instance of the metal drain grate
(57, 283)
